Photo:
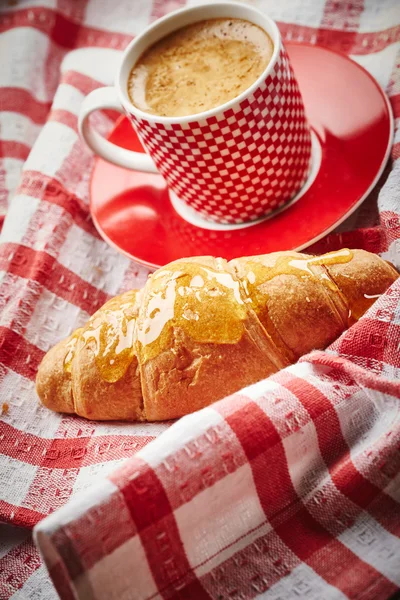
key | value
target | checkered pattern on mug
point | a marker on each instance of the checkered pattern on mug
(242, 163)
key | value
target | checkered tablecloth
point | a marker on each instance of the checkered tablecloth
(288, 490)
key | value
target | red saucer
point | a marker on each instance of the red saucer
(351, 117)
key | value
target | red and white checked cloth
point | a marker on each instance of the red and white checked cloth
(290, 489)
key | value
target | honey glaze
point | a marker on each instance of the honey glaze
(204, 301)
(303, 267)
(110, 333)
(259, 270)
(71, 350)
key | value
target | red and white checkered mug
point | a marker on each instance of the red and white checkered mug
(232, 164)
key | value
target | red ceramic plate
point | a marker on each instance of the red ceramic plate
(349, 114)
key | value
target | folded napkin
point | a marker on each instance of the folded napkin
(290, 486)
(289, 489)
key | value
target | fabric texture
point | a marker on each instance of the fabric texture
(289, 489)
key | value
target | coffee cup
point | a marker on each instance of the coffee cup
(232, 164)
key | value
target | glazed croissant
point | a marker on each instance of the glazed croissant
(203, 328)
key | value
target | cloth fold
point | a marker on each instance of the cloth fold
(288, 489)
(290, 486)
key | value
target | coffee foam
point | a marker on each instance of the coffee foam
(199, 67)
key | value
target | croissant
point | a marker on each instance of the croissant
(203, 328)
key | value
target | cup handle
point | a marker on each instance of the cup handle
(101, 98)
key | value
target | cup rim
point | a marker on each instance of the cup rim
(213, 112)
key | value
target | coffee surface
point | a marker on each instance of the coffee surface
(199, 67)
